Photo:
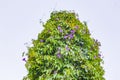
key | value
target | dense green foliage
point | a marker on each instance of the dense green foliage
(64, 50)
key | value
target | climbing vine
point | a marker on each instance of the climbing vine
(64, 50)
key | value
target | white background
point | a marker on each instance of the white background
(20, 22)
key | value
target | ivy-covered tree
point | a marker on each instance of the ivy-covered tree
(64, 50)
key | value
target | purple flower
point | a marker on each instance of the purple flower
(72, 31)
(59, 28)
(59, 55)
(65, 37)
(76, 27)
(67, 48)
(41, 40)
(24, 59)
(71, 36)
(95, 57)
(99, 55)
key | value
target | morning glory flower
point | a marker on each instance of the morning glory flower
(41, 40)
(72, 31)
(99, 55)
(71, 36)
(67, 48)
(95, 57)
(59, 28)
(59, 55)
(76, 27)
(24, 59)
(65, 37)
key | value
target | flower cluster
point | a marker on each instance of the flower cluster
(71, 35)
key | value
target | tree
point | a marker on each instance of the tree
(64, 50)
